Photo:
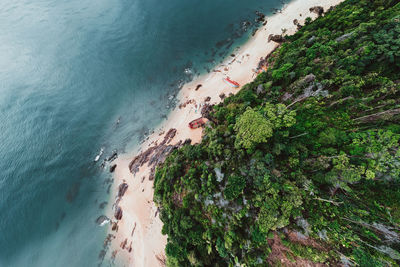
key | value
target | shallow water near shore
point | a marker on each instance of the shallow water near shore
(76, 76)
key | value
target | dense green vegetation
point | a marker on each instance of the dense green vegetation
(310, 148)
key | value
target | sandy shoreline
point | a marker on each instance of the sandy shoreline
(140, 225)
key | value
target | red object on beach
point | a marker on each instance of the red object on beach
(231, 83)
(194, 124)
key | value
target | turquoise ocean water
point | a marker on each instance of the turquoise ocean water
(69, 70)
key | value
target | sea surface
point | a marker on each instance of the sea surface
(80, 75)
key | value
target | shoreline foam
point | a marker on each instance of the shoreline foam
(139, 210)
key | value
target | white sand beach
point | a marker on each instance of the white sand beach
(140, 225)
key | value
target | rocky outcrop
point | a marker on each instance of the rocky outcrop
(278, 38)
(113, 156)
(319, 10)
(205, 111)
(113, 167)
(155, 154)
(260, 16)
(102, 219)
(122, 189)
(118, 213)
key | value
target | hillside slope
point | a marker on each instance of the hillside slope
(302, 166)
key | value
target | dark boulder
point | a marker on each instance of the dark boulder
(187, 142)
(118, 213)
(276, 38)
(260, 16)
(102, 219)
(112, 168)
(319, 10)
(122, 189)
(205, 111)
(113, 156)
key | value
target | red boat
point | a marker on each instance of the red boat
(194, 124)
(231, 83)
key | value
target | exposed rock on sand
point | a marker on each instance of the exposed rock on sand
(112, 167)
(122, 189)
(118, 213)
(319, 10)
(113, 156)
(155, 154)
(278, 38)
(102, 219)
(205, 111)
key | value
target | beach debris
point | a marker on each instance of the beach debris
(129, 248)
(122, 189)
(118, 213)
(295, 22)
(112, 167)
(113, 156)
(144, 177)
(233, 55)
(99, 155)
(207, 99)
(102, 220)
(198, 87)
(222, 96)
(319, 10)
(278, 38)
